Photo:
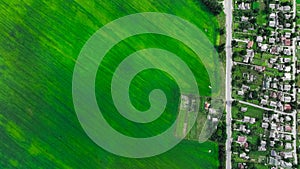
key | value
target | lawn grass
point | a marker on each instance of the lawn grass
(251, 112)
(238, 79)
(262, 17)
(262, 59)
(261, 166)
(256, 5)
(40, 41)
(254, 112)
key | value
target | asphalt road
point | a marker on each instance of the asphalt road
(294, 89)
(228, 11)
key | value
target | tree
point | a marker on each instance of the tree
(222, 31)
(221, 47)
(234, 43)
(243, 52)
(252, 20)
(213, 5)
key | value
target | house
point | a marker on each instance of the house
(273, 153)
(287, 107)
(245, 87)
(266, 118)
(287, 16)
(275, 117)
(244, 19)
(273, 161)
(259, 68)
(244, 109)
(287, 76)
(264, 47)
(241, 139)
(241, 166)
(273, 126)
(246, 119)
(241, 6)
(250, 44)
(287, 60)
(247, 6)
(273, 95)
(287, 128)
(287, 155)
(206, 105)
(272, 134)
(246, 59)
(285, 164)
(215, 120)
(287, 51)
(272, 6)
(288, 25)
(263, 102)
(242, 128)
(271, 40)
(287, 42)
(272, 60)
(266, 85)
(280, 106)
(259, 39)
(244, 156)
(249, 120)
(288, 118)
(274, 85)
(272, 15)
(288, 146)
(279, 67)
(272, 143)
(252, 120)
(273, 104)
(287, 87)
(281, 120)
(287, 99)
(241, 93)
(265, 125)
(275, 50)
(244, 6)
(286, 8)
(273, 33)
(288, 137)
(251, 78)
(249, 56)
(212, 111)
(287, 69)
(272, 24)
(262, 146)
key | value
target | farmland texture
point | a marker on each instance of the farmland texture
(39, 43)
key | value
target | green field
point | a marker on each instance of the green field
(40, 41)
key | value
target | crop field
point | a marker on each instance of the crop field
(39, 44)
